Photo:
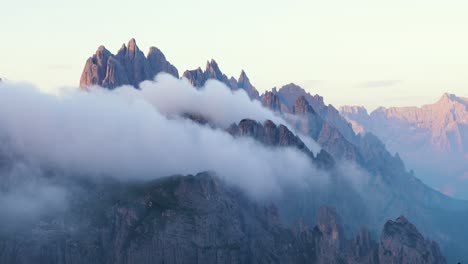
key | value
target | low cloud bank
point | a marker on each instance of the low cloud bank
(137, 134)
(214, 100)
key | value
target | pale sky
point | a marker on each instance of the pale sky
(365, 52)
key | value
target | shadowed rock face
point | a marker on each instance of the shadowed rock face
(309, 121)
(271, 100)
(128, 66)
(323, 123)
(391, 189)
(274, 135)
(244, 83)
(158, 63)
(187, 219)
(269, 133)
(198, 77)
(401, 242)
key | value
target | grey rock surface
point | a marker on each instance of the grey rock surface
(198, 78)
(193, 219)
(128, 66)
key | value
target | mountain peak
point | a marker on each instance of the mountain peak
(402, 220)
(122, 48)
(101, 48)
(211, 63)
(244, 83)
(405, 241)
(153, 49)
(132, 44)
(243, 78)
(242, 74)
(213, 70)
(128, 66)
(448, 97)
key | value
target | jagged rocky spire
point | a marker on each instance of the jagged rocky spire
(128, 66)
(198, 77)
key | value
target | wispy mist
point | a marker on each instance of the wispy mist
(138, 134)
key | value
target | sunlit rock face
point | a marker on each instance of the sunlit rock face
(432, 139)
(128, 66)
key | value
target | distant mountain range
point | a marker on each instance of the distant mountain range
(179, 219)
(432, 139)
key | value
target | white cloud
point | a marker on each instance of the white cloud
(132, 134)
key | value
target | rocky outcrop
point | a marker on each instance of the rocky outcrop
(329, 237)
(290, 92)
(269, 134)
(128, 66)
(333, 141)
(158, 63)
(244, 83)
(198, 78)
(271, 101)
(315, 116)
(274, 135)
(95, 70)
(195, 77)
(401, 242)
(309, 122)
(134, 62)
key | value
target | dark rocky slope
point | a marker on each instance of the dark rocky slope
(391, 190)
(198, 219)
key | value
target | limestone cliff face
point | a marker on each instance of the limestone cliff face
(128, 66)
(401, 242)
(271, 101)
(187, 219)
(244, 83)
(269, 133)
(273, 135)
(158, 62)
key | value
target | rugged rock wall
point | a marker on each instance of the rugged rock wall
(129, 66)
(197, 219)
(198, 77)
